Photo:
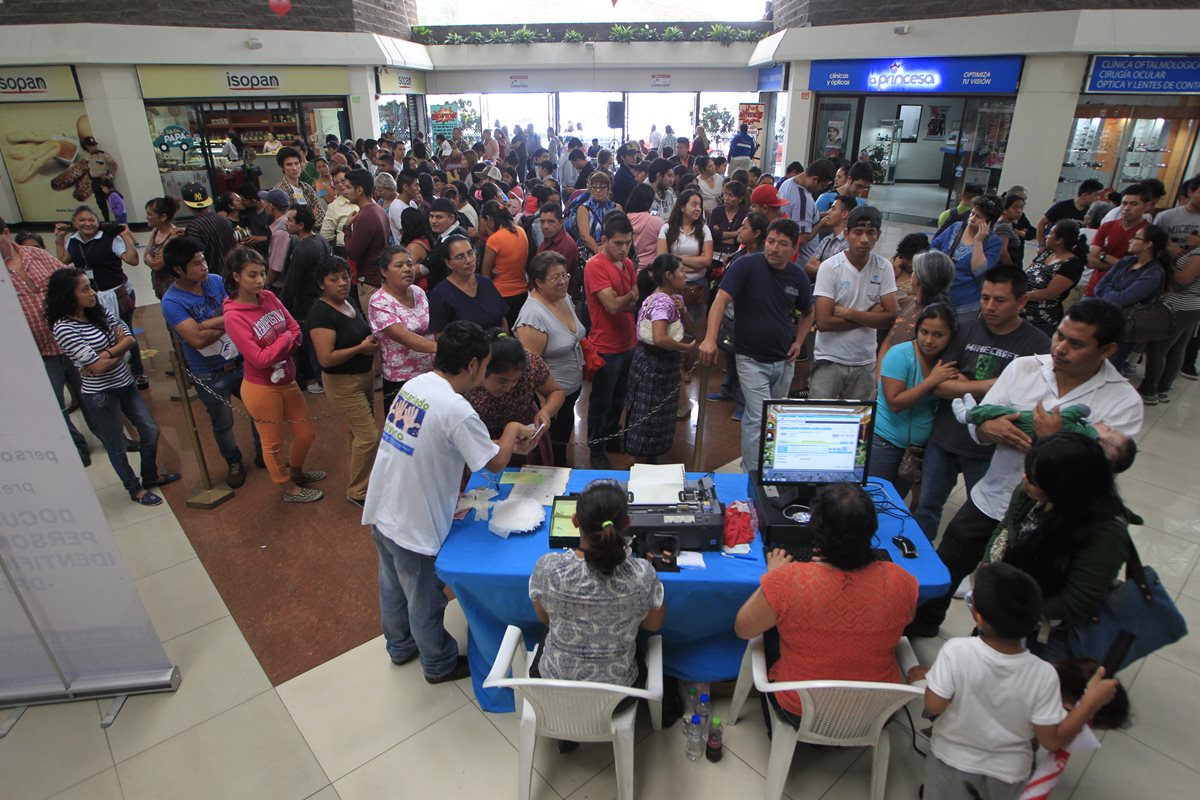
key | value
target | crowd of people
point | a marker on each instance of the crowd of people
(482, 289)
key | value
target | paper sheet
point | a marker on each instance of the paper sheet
(656, 483)
(691, 559)
(553, 482)
(519, 478)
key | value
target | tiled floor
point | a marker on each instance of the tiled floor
(354, 726)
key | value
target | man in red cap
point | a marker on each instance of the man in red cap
(765, 200)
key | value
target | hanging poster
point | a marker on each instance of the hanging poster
(935, 128)
(444, 118)
(46, 153)
(751, 114)
(835, 134)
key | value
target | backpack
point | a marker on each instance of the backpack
(571, 215)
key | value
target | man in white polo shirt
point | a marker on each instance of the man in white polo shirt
(855, 296)
(1076, 371)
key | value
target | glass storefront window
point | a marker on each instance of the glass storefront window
(719, 116)
(982, 144)
(178, 142)
(393, 115)
(323, 118)
(585, 115)
(676, 110)
(1124, 140)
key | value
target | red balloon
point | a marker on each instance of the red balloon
(282, 7)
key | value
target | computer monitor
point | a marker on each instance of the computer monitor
(815, 442)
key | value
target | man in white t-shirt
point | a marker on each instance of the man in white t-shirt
(431, 432)
(1075, 371)
(1182, 223)
(855, 296)
(800, 193)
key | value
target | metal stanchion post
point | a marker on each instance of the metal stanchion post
(208, 496)
(702, 404)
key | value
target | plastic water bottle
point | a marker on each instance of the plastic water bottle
(714, 748)
(704, 712)
(689, 708)
(695, 739)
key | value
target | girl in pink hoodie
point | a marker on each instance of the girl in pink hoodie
(267, 336)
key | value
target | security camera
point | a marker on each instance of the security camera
(901, 30)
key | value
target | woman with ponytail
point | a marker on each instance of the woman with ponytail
(593, 599)
(1053, 273)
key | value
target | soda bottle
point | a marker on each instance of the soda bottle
(714, 748)
(695, 740)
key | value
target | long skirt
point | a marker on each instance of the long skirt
(653, 387)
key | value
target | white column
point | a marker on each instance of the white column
(9, 211)
(112, 97)
(364, 112)
(1041, 126)
(799, 112)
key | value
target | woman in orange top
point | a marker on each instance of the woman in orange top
(838, 616)
(505, 255)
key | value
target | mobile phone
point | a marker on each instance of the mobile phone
(1114, 659)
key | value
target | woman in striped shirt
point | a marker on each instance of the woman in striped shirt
(96, 342)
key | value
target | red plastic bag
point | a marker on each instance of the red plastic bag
(739, 524)
(592, 360)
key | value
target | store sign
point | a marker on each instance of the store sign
(444, 118)
(400, 81)
(518, 81)
(1144, 75)
(770, 79)
(187, 81)
(985, 75)
(31, 84)
(176, 136)
(751, 114)
(660, 79)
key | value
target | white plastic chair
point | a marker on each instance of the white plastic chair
(581, 711)
(837, 713)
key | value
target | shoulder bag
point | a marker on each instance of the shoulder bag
(1150, 321)
(1140, 605)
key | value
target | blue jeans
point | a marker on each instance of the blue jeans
(223, 385)
(760, 381)
(413, 607)
(885, 463)
(939, 472)
(608, 397)
(107, 408)
(62, 373)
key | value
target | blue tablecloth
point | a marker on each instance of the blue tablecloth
(490, 576)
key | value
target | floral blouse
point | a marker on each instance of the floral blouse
(399, 362)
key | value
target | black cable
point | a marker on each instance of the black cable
(913, 730)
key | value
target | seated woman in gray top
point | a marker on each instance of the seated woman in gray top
(595, 598)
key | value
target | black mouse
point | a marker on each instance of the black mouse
(905, 546)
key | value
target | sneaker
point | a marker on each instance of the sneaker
(309, 477)
(147, 499)
(236, 475)
(736, 416)
(1190, 374)
(963, 588)
(303, 496)
(132, 447)
(141, 381)
(316, 388)
(599, 460)
(1149, 399)
(1163, 397)
(162, 479)
(461, 670)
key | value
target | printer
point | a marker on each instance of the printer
(695, 516)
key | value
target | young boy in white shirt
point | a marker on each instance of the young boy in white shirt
(994, 696)
(431, 432)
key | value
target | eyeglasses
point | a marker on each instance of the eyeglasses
(558, 276)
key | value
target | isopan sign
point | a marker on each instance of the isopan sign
(251, 81)
(899, 78)
(33, 84)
